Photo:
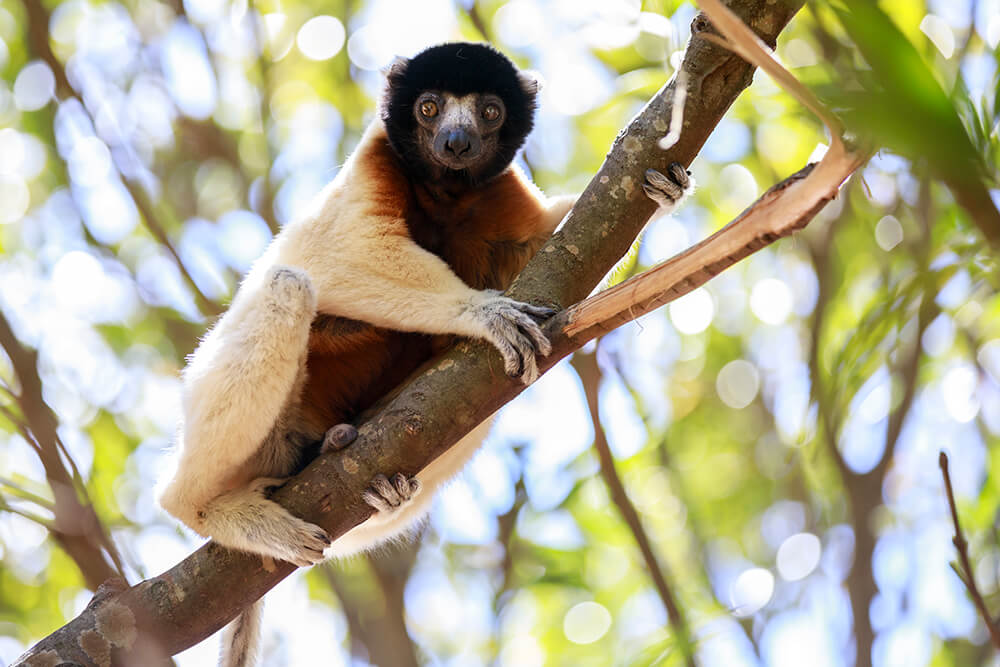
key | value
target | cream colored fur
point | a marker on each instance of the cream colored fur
(343, 258)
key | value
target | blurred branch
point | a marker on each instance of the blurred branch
(377, 618)
(820, 250)
(962, 546)
(590, 375)
(76, 528)
(24, 494)
(477, 20)
(38, 25)
(263, 110)
(38, 38)
(460, 389)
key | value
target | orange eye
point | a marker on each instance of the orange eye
(491, 112)
(428, 109)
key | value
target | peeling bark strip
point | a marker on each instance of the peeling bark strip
(785, 208)
(184, 605)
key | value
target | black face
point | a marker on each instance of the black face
(459, 133)
(458, 112)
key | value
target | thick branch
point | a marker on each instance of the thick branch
(456, 392)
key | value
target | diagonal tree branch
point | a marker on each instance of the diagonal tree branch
(590, 375)
(76, 528)
(463, 387)
(967, 575)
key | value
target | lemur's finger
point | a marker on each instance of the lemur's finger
(513, 363)
(541, 312)
(376, 501)
(540, 342)
(338, 437)
(384, 488)
(402, 485)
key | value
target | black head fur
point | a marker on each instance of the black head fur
(459, 68)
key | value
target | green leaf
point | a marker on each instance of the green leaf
(901, 103)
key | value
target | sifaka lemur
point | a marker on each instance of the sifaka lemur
(411, 244)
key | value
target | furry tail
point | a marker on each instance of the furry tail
(241, 638)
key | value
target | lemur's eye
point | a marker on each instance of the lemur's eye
(428, 109)
(491, 112)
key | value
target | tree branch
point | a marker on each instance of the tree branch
(76, 528)
(457, 391)
(962, 546)
(38, 23)
(590, 375)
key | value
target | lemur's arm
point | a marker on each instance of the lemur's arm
(391, 282)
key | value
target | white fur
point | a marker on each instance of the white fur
(344, 258)
(348, 257)
(241, 638)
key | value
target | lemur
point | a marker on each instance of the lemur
(412, 243)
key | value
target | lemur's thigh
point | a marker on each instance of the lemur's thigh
(240, 381)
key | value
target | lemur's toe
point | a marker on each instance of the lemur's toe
(387, 495)
(668, 189)
(338, 437)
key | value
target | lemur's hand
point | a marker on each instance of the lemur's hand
(510, 325)
(668, 190)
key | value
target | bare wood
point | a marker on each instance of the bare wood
(782, 210)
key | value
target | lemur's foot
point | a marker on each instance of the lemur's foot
(668, 190)
(388, 496)
(338, 437)
(283, 536)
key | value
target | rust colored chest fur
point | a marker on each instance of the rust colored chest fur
(486, 235)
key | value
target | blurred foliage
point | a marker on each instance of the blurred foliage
(148, 150)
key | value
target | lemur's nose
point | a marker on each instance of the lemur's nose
(458, 142)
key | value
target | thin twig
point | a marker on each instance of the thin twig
(962, 546)
(24, 494)
(40, 520)
(590, 375)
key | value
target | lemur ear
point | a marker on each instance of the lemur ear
(531, 81)
(396, 69)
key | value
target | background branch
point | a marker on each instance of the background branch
(962, 546)
(590, 375)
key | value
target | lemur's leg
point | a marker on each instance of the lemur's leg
(670, 189)
(239, 387)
